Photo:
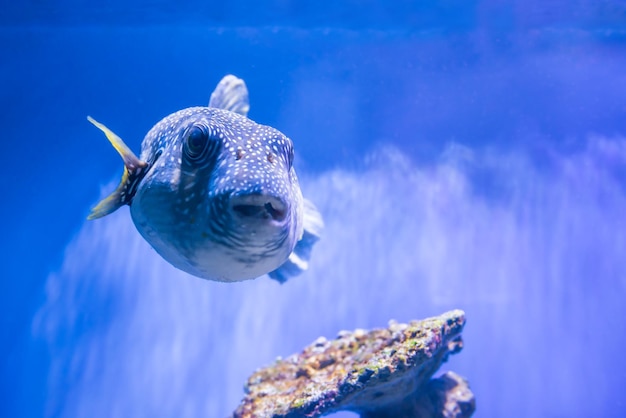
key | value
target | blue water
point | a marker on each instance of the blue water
(464, 154)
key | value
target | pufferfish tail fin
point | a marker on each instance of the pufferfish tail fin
(298, 260)
(133, 170)
(231, 94)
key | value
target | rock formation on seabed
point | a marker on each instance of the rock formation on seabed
(378, 374)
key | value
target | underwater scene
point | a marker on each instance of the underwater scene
(452, 245)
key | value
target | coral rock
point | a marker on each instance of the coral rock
(380, 373)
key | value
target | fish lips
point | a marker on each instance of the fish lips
(259, 209)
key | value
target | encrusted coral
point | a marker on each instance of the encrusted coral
(383, 372)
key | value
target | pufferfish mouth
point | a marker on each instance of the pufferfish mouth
(259, 207)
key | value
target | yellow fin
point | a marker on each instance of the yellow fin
(133, 170)
(130, 159)
(112, 202)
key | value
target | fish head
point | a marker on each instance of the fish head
(220, 198)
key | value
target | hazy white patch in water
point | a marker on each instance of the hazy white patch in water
(534, 255)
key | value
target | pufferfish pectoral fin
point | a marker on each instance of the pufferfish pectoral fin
(298, 260)
(231, 94)
(133, 170)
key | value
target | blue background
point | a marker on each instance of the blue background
(522, 101)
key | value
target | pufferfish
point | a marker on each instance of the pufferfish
(216, 194)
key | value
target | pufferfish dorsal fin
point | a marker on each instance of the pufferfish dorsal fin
(231, 94)
(133, 170)
(298, 260)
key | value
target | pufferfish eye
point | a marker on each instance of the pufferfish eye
(199, 144)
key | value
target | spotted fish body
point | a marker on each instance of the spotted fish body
(216, 194)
